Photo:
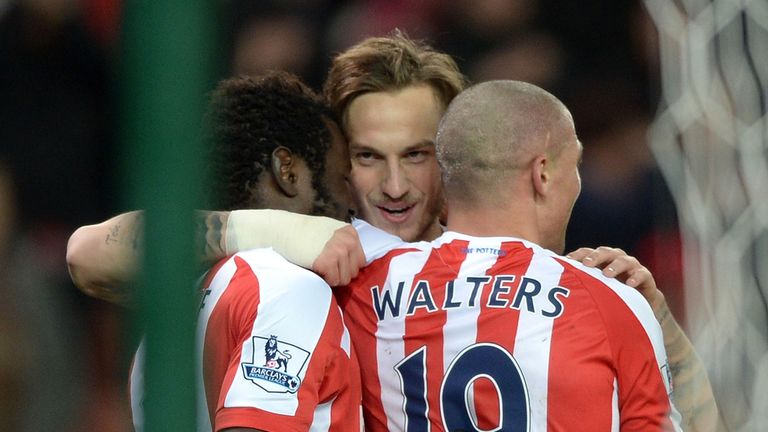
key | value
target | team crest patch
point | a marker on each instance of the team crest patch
(277, 366)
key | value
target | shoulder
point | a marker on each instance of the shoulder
(266, 261)
(377, 243)
(623, 309)
(275, 277)
(602, 287)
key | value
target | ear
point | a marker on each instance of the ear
(540, 175)
(283, 170)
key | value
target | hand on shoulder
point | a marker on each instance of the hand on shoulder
(616, 263)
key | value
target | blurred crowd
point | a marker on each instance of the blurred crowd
(64, 357)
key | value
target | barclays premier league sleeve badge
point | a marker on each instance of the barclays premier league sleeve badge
(276, 367)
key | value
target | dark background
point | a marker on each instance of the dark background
(64, 357)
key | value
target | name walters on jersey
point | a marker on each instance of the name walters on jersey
(390, 302)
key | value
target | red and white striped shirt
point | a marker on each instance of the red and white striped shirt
(468, 333)
(275, 353)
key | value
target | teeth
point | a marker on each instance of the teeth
(396, 210)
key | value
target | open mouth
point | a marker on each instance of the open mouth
(395, 211)
(396, 214)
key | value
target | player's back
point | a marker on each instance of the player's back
(274, 352)
(473, 333)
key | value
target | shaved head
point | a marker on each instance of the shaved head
(492, 130)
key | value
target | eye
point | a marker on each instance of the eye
(416, 155)
(364, 157)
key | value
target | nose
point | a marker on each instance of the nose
(395, 184)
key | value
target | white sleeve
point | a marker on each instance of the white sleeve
(375, 242)
(293, 312)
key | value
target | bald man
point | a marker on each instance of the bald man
(537, 341)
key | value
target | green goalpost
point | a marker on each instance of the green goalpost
(165, 73)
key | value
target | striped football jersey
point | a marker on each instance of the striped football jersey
(273, 352)
(468, 333)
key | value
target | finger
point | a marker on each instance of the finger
(329, 273)
(343, 263)
(579, 254)
(621, 266)
(356, 255)
(351, 267)
(359, 256)
(334, 276)
(343, 270)
(355, 266)
(641, 278)
(603, 256)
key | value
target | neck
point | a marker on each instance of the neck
(495, 221)
(432, 232)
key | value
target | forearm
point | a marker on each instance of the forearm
(103, 258)
(692, 392)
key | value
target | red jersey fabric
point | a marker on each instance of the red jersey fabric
(468, 333)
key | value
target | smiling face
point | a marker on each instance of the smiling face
(395, 176)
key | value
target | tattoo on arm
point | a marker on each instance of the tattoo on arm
(127, 232)
(211, 235)
(114, 233)
(692, 391)
(118, 260)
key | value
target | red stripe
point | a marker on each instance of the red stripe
(327, 372)
(341, 417)
(219, 371)
(357, 306)
(619, 345)
(425, 328)
(212, 272)
(499, 325)
(581, 372)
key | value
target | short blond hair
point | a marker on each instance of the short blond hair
(390, 63)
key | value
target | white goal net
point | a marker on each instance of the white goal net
(710, 138)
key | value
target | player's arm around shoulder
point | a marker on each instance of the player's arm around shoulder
(692, 395)
(350, 248)
(329, 247)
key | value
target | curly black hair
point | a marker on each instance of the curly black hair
(251, 116)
